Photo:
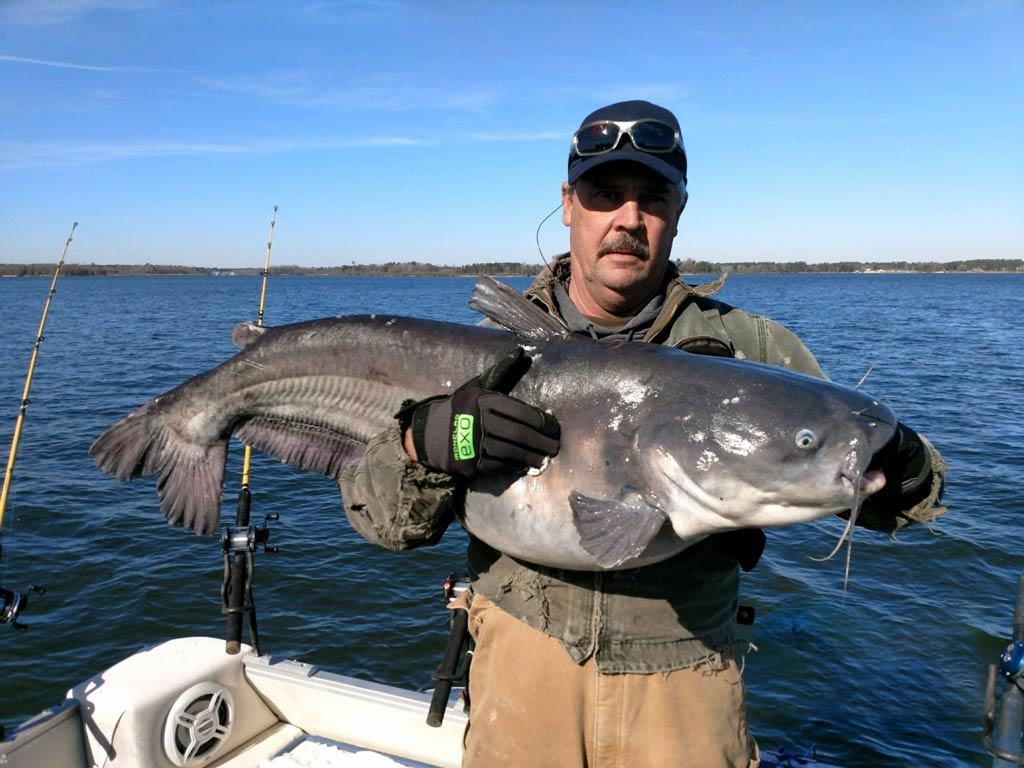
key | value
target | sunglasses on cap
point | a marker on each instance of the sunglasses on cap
(647, 135)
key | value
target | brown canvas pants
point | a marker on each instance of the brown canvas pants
(533, 706)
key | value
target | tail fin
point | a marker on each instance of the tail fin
(190, 476)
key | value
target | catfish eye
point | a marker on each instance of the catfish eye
(805, 439)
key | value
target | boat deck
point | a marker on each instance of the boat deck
(187, 704)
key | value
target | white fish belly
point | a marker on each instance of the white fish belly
(531, 521)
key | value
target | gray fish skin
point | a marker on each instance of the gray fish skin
(311, 394)
(659, 448)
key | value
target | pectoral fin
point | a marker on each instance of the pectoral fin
(614, 531)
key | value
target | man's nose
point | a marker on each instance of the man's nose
(629, 217)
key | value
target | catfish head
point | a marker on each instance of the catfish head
(770, 450)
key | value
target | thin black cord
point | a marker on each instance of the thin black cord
(543, 260)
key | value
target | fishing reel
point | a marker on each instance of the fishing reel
(238, 544)
(246, 539)
(1011, 662)
(13, 603)
(1004, 733)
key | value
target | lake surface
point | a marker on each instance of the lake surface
(889, 673)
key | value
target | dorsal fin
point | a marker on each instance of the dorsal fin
(514, 311)
(245, 333)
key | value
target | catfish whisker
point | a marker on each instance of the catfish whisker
(846, 535)
(847, 532)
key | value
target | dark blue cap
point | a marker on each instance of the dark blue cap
(671, 165)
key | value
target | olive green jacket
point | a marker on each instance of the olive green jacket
(670, 615)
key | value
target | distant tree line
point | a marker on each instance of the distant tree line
(32, 270)
(406, 269)
(415, 269)
(691, 267)
(515, 269)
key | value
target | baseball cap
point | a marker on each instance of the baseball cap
(665, 153)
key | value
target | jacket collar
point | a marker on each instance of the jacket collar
(677, 291)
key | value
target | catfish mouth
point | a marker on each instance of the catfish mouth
(865, 484)
(860, 481)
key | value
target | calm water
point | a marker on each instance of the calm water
(892, 673)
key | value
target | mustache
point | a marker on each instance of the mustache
(626, 243)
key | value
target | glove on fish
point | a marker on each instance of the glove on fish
(907, 464)
(479, 428)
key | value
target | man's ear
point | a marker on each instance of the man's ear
(567, 202)
(683, 197)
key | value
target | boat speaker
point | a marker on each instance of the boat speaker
(198, 724)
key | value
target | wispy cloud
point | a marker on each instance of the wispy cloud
(667, 93)
(19, 156)
(40, 13)
(386, 92)
(73, 65)
(967, 9)
(107, 94)
(352, 11)
(370, 141)
(26, 155)
(15, 155)
(485, 138)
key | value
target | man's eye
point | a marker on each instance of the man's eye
(605, 198)
(656, 204)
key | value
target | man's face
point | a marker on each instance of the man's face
(621, 218)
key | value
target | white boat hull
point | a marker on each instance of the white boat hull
(187, 703)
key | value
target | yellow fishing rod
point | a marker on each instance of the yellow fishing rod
(13, 603)
(247, 460)
(238, 543)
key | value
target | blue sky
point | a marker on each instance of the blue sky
(438, 131)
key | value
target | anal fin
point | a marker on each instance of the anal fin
(615, 531)
(308, 447)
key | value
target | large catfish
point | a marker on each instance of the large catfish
(659, 448)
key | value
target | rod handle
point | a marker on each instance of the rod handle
(446, 672)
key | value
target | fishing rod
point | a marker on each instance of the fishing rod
(13, 603)
(239, 542)
(1003, 735)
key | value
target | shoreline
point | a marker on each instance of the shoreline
(687, 269)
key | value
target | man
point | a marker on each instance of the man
(622, 668)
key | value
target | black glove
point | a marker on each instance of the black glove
(478, 428)
(907, 465)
